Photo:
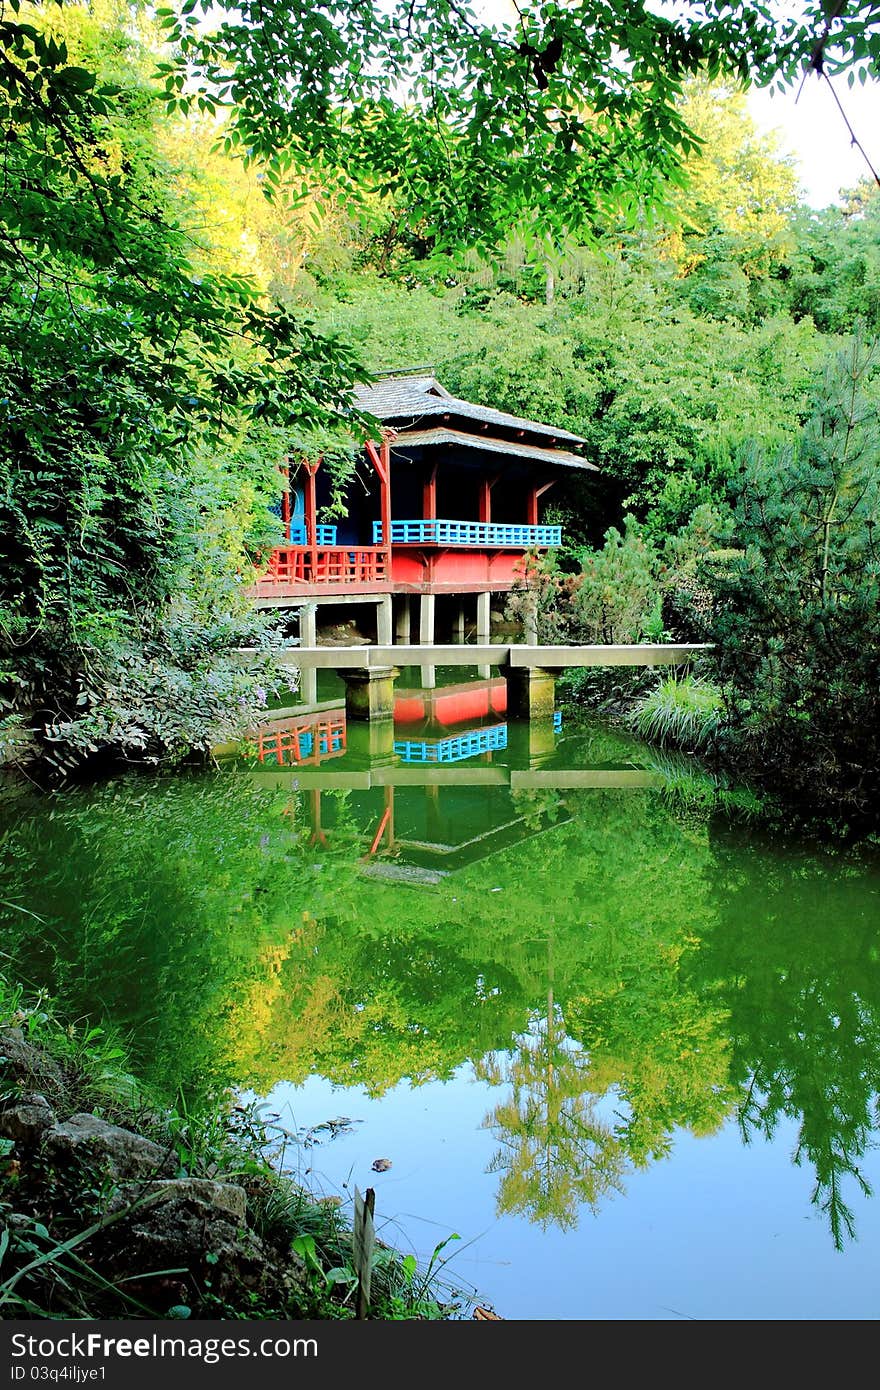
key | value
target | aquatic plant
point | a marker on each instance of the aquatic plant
(685, 711)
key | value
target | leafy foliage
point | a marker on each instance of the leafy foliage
(797, 623)
(152, 364)
(613, 599)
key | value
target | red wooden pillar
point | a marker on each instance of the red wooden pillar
(485, 497)
(385, 500)
(429, 496)
(381, 460)
(534, 494)
(285, 501)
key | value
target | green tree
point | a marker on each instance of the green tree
(833, 274)
(467, 126)
(131, 506)
(797, 621)
(732, 221)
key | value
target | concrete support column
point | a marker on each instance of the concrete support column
(384, 625)
(429, 677)
(369, 694)
(403, 623)
(427, 606)
(531, 693)
(484, 624)
(484, 628)
(459, 625)
(308, 637)
(308, 625)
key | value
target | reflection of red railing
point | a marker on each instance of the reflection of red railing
(301, 742)
(326, 565)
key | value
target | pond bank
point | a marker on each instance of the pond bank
(116, 1207)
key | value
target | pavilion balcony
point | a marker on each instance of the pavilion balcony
(324, 535)
(470, 533)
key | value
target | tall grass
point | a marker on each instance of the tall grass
(682, 711)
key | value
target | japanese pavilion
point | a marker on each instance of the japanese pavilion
(448, 504)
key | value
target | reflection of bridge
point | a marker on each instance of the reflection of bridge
(308, 778)
(415, 818)
(410, 794)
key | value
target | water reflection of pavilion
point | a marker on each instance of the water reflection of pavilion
(446, 783)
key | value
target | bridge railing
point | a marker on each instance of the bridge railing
(476, 533)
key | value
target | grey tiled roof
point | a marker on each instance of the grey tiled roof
(416, 397)
(515, 448)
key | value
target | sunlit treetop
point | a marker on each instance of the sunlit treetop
(558, 114)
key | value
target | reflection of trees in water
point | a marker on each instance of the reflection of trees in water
(688, 971)
(166, 905)
(646, 1051)
(795, 961)
(555, 1153)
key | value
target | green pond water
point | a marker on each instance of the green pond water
(604, 1028)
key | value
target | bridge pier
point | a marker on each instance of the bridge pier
(369, 693)
(308, 637)
(384, 622)
(403, 622)
(531, 692)
(484, 619)
(427, 608)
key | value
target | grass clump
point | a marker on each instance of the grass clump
(682, 712)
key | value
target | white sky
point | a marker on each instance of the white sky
(813, 130)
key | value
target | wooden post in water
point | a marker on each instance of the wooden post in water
(363, 1241)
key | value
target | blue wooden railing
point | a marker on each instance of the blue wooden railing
(324, 535)
(468, 533)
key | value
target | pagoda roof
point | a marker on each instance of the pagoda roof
(513, 448)
(417, 398)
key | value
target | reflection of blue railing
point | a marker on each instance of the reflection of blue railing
(454, 749)
(328, 742)
(557, 721)
(468, 533)
(324, 535)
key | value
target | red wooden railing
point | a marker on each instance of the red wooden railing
(326, 565)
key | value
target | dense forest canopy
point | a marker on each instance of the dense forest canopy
(214, 219)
